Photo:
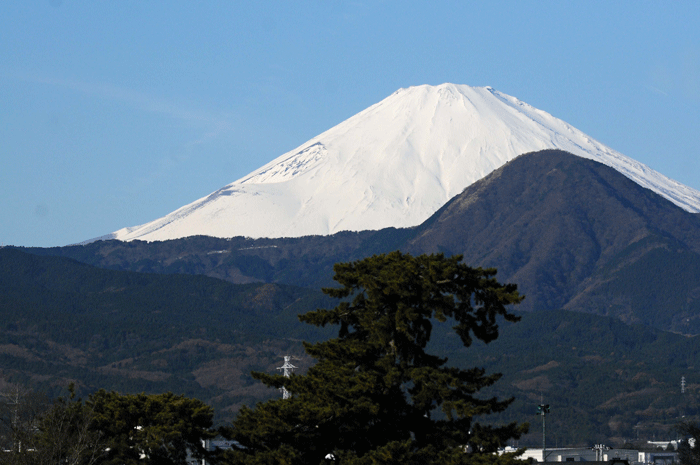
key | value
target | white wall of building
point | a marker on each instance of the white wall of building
(587, 454)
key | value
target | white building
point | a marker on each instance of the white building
(602, 454)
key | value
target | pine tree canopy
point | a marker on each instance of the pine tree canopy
(150, 428)
(375, 395)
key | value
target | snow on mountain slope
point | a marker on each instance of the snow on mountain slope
(393, 164)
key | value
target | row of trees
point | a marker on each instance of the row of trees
(108, 428)
(376, 394)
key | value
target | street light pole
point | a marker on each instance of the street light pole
(543, 409)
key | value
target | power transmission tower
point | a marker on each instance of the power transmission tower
(287, 370)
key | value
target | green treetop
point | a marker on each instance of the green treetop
(157, 429)
(375, 395)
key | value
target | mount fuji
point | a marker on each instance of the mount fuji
(393, 164)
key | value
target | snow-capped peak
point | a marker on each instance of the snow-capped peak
(393, 164)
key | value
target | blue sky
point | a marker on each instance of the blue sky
(115, 113)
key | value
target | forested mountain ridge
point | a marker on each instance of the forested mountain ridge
(65, 321)
(132, 332)
(606, 381)
(573, 234)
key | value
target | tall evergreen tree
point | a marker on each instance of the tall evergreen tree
(375, 394)
(157, 429)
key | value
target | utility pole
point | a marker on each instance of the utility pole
(543, 409)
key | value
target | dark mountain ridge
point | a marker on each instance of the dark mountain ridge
(69, 322)
(571, 232)
(65, 321)
(576, 234)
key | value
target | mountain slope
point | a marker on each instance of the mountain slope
(393, 164)
(67, 322)
(576, 234)
(572, 233)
